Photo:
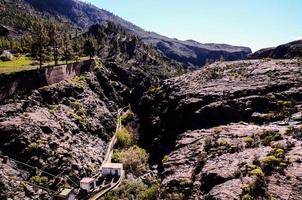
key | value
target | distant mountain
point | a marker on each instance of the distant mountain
(193, 53)
(285, 51)
(83, 15)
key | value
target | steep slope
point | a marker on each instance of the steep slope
(64, 128)
(84, 15)
(117, 44)
(229, 131)
(285, 51)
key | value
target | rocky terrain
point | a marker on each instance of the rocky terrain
(64, 128)
(285, 51)
(229, 131)
(19, 15)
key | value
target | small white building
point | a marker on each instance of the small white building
(112, 169)
(88, 184)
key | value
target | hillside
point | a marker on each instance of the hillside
(84, 15)
(285, 51)
(64, 129)
(229, 131)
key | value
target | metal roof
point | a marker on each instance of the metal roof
(112, 165)
(87, 180)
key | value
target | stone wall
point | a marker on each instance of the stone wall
(29, 80)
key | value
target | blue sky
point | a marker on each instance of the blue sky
(253, 23)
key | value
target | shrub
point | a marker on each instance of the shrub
(276, 160)
(127, 117)
(150, 193)
(268, 136)
(294, 132)
(134, 190)
(257, 172)
(116, 155)
(249, 141)
(177, 196)
(255, 189)
(247, 197)
(134, 159)
(165, 159)
(39, 180)
(124, 138)
(76, 105)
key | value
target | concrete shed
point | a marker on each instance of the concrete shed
(88, 184)
(112, 169)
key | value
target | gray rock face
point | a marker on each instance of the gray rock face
(285, 51)
(221, 127)
(64, 128)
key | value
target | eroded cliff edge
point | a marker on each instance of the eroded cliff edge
(229, 131)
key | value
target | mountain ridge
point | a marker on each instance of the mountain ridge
(189, 53)
(285, 51)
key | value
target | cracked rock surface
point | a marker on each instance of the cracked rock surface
(229, 131)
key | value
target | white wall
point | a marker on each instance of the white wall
(108, 171)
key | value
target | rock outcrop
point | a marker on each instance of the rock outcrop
(229, 131)
(285, 51)
(64, 129)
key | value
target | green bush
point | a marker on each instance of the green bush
(247, 197)
(150, 193)
(295, 132)
(275, 161)
(134, 159)
(165, 159)
(127, 117)
(249, 141)
(124, 138)
(257, 172)
(134, 190)
(116, 156)
(269, 136)
(39, 180)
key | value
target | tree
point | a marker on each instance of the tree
(89, 48)
(77, 43)
(54, 42)
(40, 44)
(68, 51)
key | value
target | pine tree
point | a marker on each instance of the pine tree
(54, 42)
(76, 45)
(39, 46)
(89, 48)
(68, 52)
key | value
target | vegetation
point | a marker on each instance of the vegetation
(165, 159)
(89, 48)
(249, 141)
(135, 190)
(39, 180)
(124, 138)
(127, 117)
(295, 132)
(275, 161)
(134, 159)
(269, 136)
(215, 147)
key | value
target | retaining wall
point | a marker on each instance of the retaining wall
(29, 80)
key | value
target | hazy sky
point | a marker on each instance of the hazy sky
(253, 23)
